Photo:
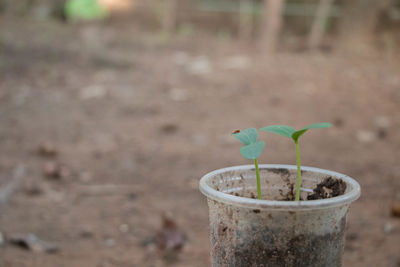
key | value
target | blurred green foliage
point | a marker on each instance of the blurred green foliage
(84, 10)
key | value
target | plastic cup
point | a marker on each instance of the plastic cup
(245, 231)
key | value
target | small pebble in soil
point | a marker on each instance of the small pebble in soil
(109, 242)
(169, 128)
(47, 149)
(351, 236)
(364, 136)
(338, 122)
(124, 228)
(33, 190)
(396, 209)
(170, 237)
(55, 170)
(382, 122)
(387, 228)
(85, 177)
(132, 196)
(31, 242)
(381, 133)
(2, 240)
(178, 95)
(86, 234)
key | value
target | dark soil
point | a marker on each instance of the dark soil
(263, 247)
(329, 187)
(301, 251)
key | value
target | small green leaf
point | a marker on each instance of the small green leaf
(246, 136)
(252, 151)
(318, 125)
(296, 135)
(283, 130)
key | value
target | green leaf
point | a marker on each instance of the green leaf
(283, 130)
(318, 125)
(252, 151)
(84, 10)
(296, 135)
(247, 136)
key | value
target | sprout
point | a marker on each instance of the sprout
(290, 132)
(251, 150)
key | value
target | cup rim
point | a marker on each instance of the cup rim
(341, 200)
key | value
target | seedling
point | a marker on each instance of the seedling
(251, 150)
(290, 132)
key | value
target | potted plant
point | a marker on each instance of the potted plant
(277, 215)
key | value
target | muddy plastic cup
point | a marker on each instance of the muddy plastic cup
(245, 231)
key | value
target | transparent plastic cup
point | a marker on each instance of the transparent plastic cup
(246, 232)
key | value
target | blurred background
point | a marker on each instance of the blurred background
(112, 110)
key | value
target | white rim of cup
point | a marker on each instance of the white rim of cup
(226, 198)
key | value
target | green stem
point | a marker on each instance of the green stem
(258, 179)
(298, 171)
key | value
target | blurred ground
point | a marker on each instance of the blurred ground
(136, 120)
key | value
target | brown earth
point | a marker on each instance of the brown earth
(136, 119)
(328, 188)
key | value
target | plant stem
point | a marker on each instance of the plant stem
(298, 171)
(258, 179)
